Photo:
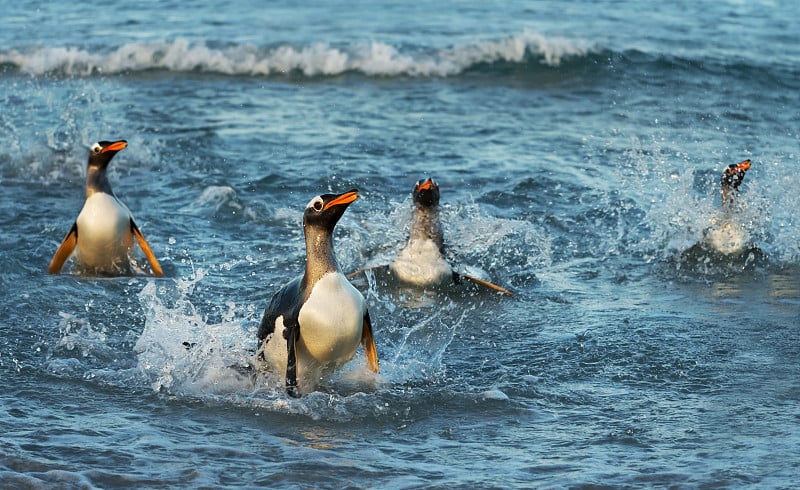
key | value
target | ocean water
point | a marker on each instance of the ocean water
(578, 148)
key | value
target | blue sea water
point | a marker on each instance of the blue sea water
(578, 147)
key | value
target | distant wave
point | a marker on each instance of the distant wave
(314, 60)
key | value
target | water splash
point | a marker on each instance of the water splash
(508, 248)
(477, 243)
(680, 202)
(182, 351)
(81, 336)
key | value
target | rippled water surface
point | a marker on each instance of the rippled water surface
(578, 149)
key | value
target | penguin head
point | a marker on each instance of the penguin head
(103, 151)
(732, 178)
(426, 193)
(325, 211)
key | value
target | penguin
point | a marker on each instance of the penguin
(102, 236)
(315, 323)
(727, 237)
(732, 177)
(421, 262)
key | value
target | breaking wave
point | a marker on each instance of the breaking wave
(313, 60)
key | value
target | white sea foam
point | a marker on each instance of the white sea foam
(181, 351)
(316, 59)
(495, 394)
(218, 196)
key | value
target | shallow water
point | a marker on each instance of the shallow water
(578, 149)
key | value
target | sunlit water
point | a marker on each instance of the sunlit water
(578, 148)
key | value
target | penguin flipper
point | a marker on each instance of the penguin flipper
(64, 250)
(148, 252)
(485, 283)
(291, 332)
(368, 343)
(282, 304)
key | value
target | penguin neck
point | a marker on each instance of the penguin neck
(320, 258)
(426, 225)
(730, 200)
(97, 181)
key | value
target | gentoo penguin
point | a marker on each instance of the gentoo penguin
(315, 323)
(727, 236)
(103, 234)
(732, 178)
(421, 262)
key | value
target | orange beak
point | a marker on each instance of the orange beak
(427, 185)
(345, 198)
(116, 146)
(745, 165)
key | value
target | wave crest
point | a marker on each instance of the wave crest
(317, 59)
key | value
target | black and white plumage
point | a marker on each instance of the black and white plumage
(315, 323)
(422, 262)
(727, 241)
(727, 235)
(103, 233)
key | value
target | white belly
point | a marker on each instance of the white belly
(331, 320)
(728, 237)
(330, 332)
(422, 264)
(104, 234)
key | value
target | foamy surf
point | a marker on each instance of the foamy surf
(372, 58)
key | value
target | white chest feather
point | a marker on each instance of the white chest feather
(331, 320)
(104, 232)
(330, 332)
(421, 263)
(728, 237)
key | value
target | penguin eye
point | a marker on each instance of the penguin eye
(316, 204)
(96, 148)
